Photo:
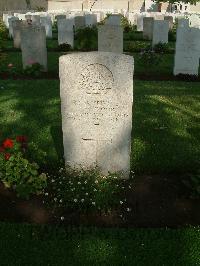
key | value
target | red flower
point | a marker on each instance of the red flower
(21, 139)
(1, 149)
(7, 156)
(8, 143)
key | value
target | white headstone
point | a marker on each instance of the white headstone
(46, 22)
(160, 31)
(139, 20)
(187, 49)
(90, 19)
(10, 22)
(96, 106)
(33, 45)
(65, 31)
(170, 21)
(79, 22)
(110, 38)
(148, 28)
(114, 20)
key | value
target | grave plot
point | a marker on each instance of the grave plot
(81, 111)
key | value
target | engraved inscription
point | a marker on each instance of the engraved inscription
(96, 79)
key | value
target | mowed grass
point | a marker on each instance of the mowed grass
(34, 245)
(166, 122)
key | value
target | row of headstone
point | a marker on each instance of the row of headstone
(155, 30)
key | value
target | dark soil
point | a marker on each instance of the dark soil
(154, 201)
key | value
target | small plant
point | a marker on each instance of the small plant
(34, 69)
(148, 57)
(86, 39)
(65, 47)
(172, 35)
(12, 69)
(161, 48)
(16, 171)
(85, 190)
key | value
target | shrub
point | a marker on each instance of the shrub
(148, 57)
(16, 171)
(34, 69)
(85, 190)
(3, 59)
(161, 48)
(65, 47)
(172, 35)
(86, 39)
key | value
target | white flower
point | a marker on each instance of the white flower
(52, 180)
(46, 194)
(128, 209)
(95, 189)
(62, 218)
(121, 202)
(82, 188)
(93, 203)
(55, 199)
(60, 200)
(115, 177)
(96, 182)
(75, 200)
(117, 185)
(79, 183)
(82, 200)
(86, 194)
(60, 182)
(85, 182)
(129, 186)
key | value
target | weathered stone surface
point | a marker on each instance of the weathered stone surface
(33, 45)
(79, 22)
(46, 22)
(160, 31)
(148, 28)
(10, 22)
(139, 20)
(114, 20)
(187, 49)
(35, 20)
(96, 105)
(65, 31)
(110, 38)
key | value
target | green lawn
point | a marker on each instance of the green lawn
(166, 122)
(34, 245)
(165, 67)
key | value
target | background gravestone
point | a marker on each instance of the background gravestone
(17, 24)
(187, 49)
(170, 21)
(96, 105)
(148, 28)
(33, 45)
(114, 20)
(110, 38)
(160, 31)
(46, 22)
(79, 22)
(65, 31)
(10, 22)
